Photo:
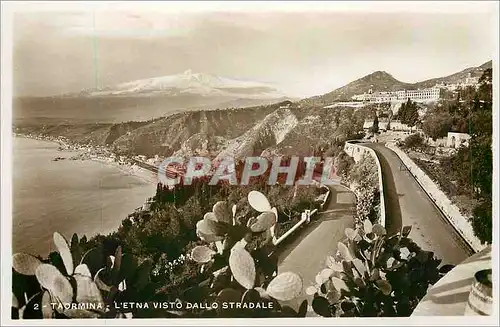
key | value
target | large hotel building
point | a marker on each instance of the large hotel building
(424, 95)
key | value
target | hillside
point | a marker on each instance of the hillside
(217, 133)
(377, 81)
(383, 81)
(454, 78)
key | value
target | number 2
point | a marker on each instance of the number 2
(36, 306)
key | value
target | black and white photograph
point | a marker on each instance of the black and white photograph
(203, 162)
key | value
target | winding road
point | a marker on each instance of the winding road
(408, 204)
(306, 250)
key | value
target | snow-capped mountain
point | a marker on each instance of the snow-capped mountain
(189, 83)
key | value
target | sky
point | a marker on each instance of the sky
(303, 52)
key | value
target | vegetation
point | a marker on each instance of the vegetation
(343, 165)
(414, 141)
(374, 275)
(438, 125)
(79, 284)
(408, 113)
(374, 129)
(471, 167)
(233, 269)
(363, 178)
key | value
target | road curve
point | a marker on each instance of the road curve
(408, 204)
(306, 251)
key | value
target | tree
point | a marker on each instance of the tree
(437, 125)
(482, 158)
(343, 164)
(374, 129)
(485, 90)
(482, 221)
(402, 113)
(410, 113)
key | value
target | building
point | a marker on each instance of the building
(456, 140)
(452, 141)
(424, 95)
(468, 81)
(471, 81)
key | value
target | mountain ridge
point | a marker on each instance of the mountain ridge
(383, 81)
(188, 82)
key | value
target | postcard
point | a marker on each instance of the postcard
(290, 163)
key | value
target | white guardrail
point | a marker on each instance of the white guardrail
(306, 217)
(356, 150)
(450, 210)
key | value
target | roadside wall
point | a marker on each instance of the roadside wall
(305, 217)
(450, 210)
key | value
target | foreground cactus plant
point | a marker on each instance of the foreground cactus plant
(70, 287)
(56, 286)
(373, 274)
(221, 228)
(240, 273)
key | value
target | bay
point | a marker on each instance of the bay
(69, 196)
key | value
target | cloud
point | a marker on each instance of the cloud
(116, 24)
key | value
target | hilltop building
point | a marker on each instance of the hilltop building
(468, 81)
(471, 80)
(424, 95)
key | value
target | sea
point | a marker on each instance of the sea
(85, 197)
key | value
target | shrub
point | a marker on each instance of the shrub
(482, 223)
(413, 141)
(374, 275)
(343, 164)
(363, 178)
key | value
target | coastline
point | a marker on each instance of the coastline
(82, 196)
(131, 170)
(83, 154)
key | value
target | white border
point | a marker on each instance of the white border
(202, 6)
(264, 6)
